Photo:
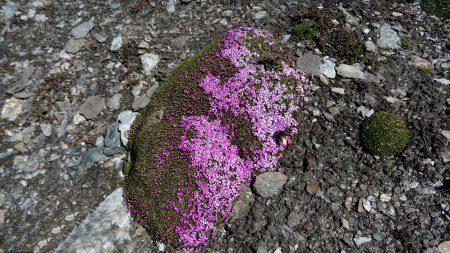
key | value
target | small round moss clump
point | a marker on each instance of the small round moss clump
(305, 30)
(385, 134)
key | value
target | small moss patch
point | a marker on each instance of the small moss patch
(406, 43)
(385, 134)
(305, 30)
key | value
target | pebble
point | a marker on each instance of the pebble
(270, 184)
(9, 9)
(338, 90)
(350, 71)
(63, 127)
(364, 111)
(418, 62)
(446, 134)
(170, 6)
(78, 118)
(227, 13)
(309, 63)
(11, 109)
(114, 102)
(112, 138)
(278, 250)
(74, 46)
(149, 62)
(312, 186)
(345, 223)
(260, 15)
(100, 38)
(442, 81)
(388, 38)
(92, 107)
(366, 204)
(444, 247)
(140, 102)
(41, 18)
(81, 30)
(385, 197)
(327, 68)
(161, 246)
(46, 129)
(370, 46)
(359, 241)
(116, 44)
(243, 206)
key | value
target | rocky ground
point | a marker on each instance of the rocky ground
(75, 73)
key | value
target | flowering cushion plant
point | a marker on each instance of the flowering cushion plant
(223, 115)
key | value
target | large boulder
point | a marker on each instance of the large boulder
(223, 116)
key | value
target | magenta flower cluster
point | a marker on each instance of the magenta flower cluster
(254, 92)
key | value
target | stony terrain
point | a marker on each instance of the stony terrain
(75, 73)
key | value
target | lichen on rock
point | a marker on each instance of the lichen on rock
(210, 128)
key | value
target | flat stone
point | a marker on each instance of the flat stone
(327, 68)
(359, 241)
(338, 90)
(149, 62)
(114, 102)
(9, 9)
(116, 44)
(81, 30)
(309, 63)
(125, 119)
(418, 62)
(294, 219)
(63, 127)
(243, 206)
(41, 18)
(11, 109)
(23, 94)
(444, 247)
(170, 6)
(140, 102)
(74, 46)
(350, 71)
(99, 38)
(103, 230)
(442, 81)
(388, 38)
(92, 107)
(312, 186)
(260, 15)
(46, 129)
(445, 156)
(92, 156)
(270, 184)
(179, 42)
(112, 138)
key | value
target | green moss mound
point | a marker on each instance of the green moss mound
(305, 30)
(438, 8)
(385, 134)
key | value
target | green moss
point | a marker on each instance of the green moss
(306, 30)
(438, 8)
(406, 43)
(385, 134)
(126, 168)
(425, 71)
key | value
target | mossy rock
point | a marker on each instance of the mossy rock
(438, 8)
(385, 134)
(223, 115)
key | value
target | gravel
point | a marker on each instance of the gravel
(67, 106)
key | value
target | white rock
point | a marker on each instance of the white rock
(125, 119)
(338, 90)
(278, 250)
(361, 240)
(149, 62)
(40, 18)
(444, 247)
(116, 44)
(11, 109)
(350, 71)
(446, 134)
(366, 204)
(385, 197)
(108, 225)
(78, 118)
(370, 46)
(327, 69)
(442, 81)
(161, 246)
(170, 6)
(46, 129)
(260, 15)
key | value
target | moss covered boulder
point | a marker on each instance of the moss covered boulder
(223, 116)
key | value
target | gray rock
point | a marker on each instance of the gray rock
(179, 42)
(12, 107)
(63, 127)
(41, 18)
(260, 15)
(103, 230)
(294, 219)
(92, 107)
(349, 19)
(388, 38)
(92, 156)
(112, 138)
(309, 63)
(149, 62)
(227, 13)
(327, 69)
(444, 247)
(23, 94)
(446, 134)
(418, 62)
(81, 30)
(243, 206)
(262, 249)
(114, 102)
(125, 119)
(116, 44)
(270, 184)
(445, 156)
(312, 186)
(99, 38)
(370, 46)
(338, 90)
(46, 129)
(359, 241)
(170, 6)
(350, 71)
(140, 102)
(74, 46)
(9, 8)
